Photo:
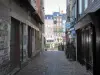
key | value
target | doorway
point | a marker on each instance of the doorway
(14, 44)
(88, 44)
(29, 42)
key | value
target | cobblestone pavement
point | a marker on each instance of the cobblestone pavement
(52, 63)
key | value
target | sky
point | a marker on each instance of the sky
(54, 6)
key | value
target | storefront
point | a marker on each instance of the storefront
(88, 43)
(85, 43)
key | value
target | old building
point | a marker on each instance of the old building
(59, 23)
(49, 34)
(21, 33)
(85, 19)
(55, 26)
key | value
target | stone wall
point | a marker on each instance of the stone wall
(4, 38)
(23, 42)
(18, 13)
(4, 42)
(33, 42)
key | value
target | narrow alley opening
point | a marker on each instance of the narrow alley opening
(49, 37)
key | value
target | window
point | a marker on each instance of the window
(80, 6)
(92, 0)
(60, 19)
(85, 4)
(73, 13)
(75, 10)
(51, 17)
(55, 20)
(47, 17)
(57, 14)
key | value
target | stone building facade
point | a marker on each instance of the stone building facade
(86, 15)
(21, 34)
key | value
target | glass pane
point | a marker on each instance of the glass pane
(80, 6)
(86, 3)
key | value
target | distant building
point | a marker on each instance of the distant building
(55, 27)
(49, 34)
(59, 26)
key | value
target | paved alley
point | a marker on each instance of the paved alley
(52, 63)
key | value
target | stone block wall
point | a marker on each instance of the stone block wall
(4, 38)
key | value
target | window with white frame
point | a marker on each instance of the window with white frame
(85, 4)
(80, 6)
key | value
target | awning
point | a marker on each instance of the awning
(86, 19)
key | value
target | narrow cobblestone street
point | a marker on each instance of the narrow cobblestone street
(52, 63)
